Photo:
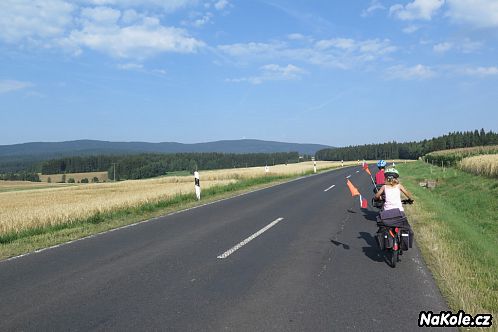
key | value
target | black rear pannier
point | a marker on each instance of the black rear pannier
(405, 240)
(395, 218)
(380, 240)
(384, 240)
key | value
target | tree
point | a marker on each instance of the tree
(84, 180)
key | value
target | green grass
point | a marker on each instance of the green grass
(16, 243)
(178, 173)
(456, 227)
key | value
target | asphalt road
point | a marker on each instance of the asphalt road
(317, 268)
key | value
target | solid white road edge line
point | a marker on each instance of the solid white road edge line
(332, 186)
(249, 239)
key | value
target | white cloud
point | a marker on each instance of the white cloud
(130, 66)
(464, 46)
(374, 6)
(289, 71)
(33, 19)
(253, 49)
(341, 43)
(296, 36)
(411, 29)
(199, 19)
(11, 85)
(138, 67)
(101, 32)
(479, 13)
(273, 72)
(416, 10)
(100, 15)
(130, 16)
(481, 71)
(442, 47)
(469, 46)
(117, 31)
(221, 4)
(410, 73)
(167, 5)
(342, 53)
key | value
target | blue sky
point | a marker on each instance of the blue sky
(330, 72)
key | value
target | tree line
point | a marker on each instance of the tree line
(20, 176)
(410, 150)
(149, 165)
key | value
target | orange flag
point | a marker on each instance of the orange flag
(354, 191)
(365, 167)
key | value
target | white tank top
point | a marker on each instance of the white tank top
(393, 198)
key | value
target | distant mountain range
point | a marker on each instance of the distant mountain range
(85, 147)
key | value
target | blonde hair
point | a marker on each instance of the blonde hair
(392, 181)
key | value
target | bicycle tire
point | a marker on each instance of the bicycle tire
(394, 258)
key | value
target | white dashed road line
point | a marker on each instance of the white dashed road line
(249, 239)
(332, 186)
(347, 177)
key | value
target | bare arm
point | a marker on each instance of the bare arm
(404, 191)
(379, 193)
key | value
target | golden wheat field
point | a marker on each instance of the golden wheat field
(463, 152)
(25, 209)
(486, 165)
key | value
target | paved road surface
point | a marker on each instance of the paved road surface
(317, 268)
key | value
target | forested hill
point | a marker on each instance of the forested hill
(92, 147)
(142, 166)
(410, 150)
(28, 156)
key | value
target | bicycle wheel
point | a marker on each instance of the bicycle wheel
(394, 257)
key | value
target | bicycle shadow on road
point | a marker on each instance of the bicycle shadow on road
(372, 251)
(337, 243)
(370, 215)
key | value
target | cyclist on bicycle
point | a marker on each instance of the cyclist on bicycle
(379, 177)
(392, 190)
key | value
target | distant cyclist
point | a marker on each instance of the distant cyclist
(379, 177)
(392, 190)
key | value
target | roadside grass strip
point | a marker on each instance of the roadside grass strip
(249, 239)
(456, 228)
